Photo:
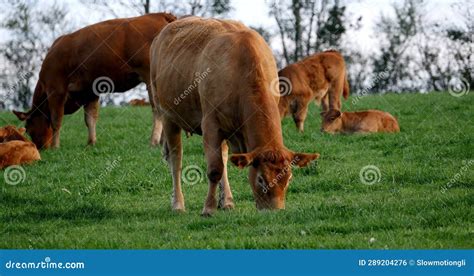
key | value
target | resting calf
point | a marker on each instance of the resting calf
(359, 122)
(9, 133)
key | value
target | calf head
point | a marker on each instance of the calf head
(270, 173)
(10, 133)
(38, 126)
(332, 121)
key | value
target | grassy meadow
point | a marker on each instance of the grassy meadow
(118, 193)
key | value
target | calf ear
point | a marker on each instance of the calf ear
(303, 159)
(22, 130)
(332, 114)
(241, 160)
(21, 115)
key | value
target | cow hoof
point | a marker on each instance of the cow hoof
(91, 143)
(179, 207)
(229, 205)
(207, 212)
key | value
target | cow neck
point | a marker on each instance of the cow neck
(40, 100)
(263, 126)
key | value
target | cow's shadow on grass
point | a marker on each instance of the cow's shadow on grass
(27, 209)
(34, 209)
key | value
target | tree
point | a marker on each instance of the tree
(124, 8)
(396, 34)
(461, 43)
(30, 31)
(308, 26)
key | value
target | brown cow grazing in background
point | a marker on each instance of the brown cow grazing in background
(214, 77)
(9, 133)
(17, 152)
(110, 56)
(321, 77)
(359, 122)
(138, 102)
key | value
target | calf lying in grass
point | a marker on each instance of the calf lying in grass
(9, 133)
(15, 149)
(359, 122)
(138, 102)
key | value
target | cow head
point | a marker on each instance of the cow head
(270, 173)
(38, 127)
(10, 133)
(332, 121)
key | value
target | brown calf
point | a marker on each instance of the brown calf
(320, 77)
(110, 56)
(17, 153)
(359, 122)
(214, 77)
(138, 102)
(9, 133)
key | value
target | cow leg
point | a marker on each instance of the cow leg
(174, 154)
(91, 115)
(157, 128)
(335, 91)
(156, 131)
(226, 200)
(300, 115)
(215, 164)
(56, 106)
(325, 104)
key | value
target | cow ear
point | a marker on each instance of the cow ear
(22, 130)
(303, 159)
(241, 160)
(21, 115)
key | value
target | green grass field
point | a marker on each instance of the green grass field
(118, 193)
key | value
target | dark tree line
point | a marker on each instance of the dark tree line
(413, 54)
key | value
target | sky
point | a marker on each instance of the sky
(255, 13)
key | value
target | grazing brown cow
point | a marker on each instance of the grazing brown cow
(110, 56)
(213, 77)
(359, 122)
(138, 102)
(9, 133)
(320, 77)
(17, 153)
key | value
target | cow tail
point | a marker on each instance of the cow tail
(345, 90)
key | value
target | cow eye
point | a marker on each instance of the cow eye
(260, 180)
